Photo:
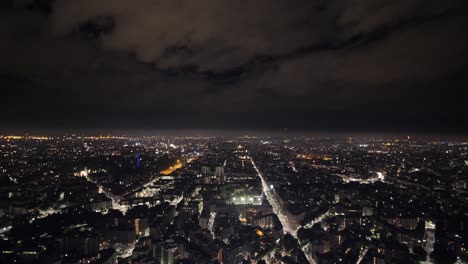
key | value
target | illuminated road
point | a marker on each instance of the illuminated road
(274, 203)
(278, 211)
(5, 229)
(106, 192)
(430, 239)
(211, 222)
(362, 255)
(317, 220)
(380, 176)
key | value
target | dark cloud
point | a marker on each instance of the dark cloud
(421, 52)
(359, 64)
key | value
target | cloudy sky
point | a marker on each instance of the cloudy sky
(384, 65)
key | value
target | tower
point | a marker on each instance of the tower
(138, 160)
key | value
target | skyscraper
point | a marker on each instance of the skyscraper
(219, 174)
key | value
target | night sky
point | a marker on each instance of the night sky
(380, 65)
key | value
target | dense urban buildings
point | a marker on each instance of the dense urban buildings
(247, 199)
(233, 132)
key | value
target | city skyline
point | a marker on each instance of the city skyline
(233, 132)
(222, 199)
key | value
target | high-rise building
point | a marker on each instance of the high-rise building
(219, 174)
(80, 243)
(264, 221)
(205, 171)
(169, 251)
